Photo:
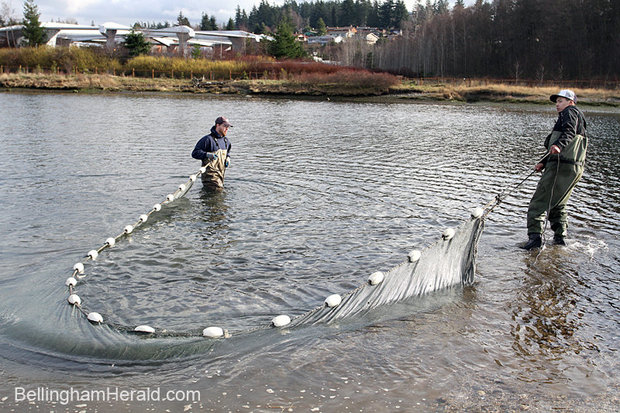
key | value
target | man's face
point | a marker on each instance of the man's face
(562, 103)
(221, 129)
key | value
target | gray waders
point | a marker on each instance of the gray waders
(561, 174)
(213, 178)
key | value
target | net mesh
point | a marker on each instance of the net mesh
(448, 262)
(443, 264)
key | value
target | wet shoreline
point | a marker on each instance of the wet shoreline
(407, 91)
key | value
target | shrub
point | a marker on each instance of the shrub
(65, 58)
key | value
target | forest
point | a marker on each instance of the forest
(533, 40)
(514, 39)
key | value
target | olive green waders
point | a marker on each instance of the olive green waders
(561, 174)
(213, 178)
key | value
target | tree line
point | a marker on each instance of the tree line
(265, 18)
(518, 39)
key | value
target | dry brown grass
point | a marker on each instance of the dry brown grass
(88, 82)
(340, 83)
(472, 91)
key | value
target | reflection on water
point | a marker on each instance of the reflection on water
(544, 314)
(310, 208)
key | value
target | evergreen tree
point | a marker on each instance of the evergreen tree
(321, 29)
(136, 44)
(208, 23)
(230, 25)
(285, 45)
(373, 15)
(241, 18)
(400, 14)
(213, 23)
(33, 32)
(347, 13)
(182, 20)
(386, 11)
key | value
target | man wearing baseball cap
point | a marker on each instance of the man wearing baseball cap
(561, 169)
(214, 152)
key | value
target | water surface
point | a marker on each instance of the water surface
(319, 195)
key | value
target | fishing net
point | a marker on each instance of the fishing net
(448, 262)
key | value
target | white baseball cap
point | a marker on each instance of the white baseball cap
(565, 93)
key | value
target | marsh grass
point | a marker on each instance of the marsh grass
(54, 59)
(484, 90)
(76, 68)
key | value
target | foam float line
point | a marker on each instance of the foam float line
(448, 262)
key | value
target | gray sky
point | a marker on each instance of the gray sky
(129, 11)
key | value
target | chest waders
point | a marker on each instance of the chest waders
(216, 169)
(561, 174)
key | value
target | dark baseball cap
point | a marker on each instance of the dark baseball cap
(222, 121)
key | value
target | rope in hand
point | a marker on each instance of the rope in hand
(505, 192)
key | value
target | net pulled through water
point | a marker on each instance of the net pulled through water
(448, 262)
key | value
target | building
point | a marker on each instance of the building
(178, 39)
(345, 32)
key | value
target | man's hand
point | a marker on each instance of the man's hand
(227, 162)
(555, 149)
(539, 167)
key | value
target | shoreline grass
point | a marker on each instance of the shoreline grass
(337, 84)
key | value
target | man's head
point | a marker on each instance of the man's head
(222, 125)
(563, 99)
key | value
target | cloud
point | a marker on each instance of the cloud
(130, 11)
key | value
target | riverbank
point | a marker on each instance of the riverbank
(466, 91)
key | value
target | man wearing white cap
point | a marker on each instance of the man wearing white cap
(561, 170)
(214, 152)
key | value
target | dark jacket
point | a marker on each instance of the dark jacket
(210, 143)
(570, 122)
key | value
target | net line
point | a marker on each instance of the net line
(448, 262)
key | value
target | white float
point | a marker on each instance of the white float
(94, 317)
(128, 229)
(281, 321)
(74, 299)
(182, 187)
(110, 241)
(169, 197)
(143, 218)
(79, 267)
(71, 282)
(144, 329)
(93, 254)
(213, 332)
(333, 300)
(376, 278)
(157, 207)
(203, 169)
(477, 212)
(448, 234)
(192, 178)
(414, 255)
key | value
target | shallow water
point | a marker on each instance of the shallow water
(319, 195)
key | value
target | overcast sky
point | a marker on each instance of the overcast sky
(129, 11)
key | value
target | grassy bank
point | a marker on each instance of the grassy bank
(342, 83)
(90, 69)
(482, 90)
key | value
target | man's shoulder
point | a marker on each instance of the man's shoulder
(572, 112)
